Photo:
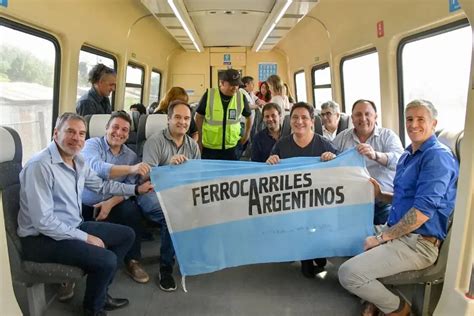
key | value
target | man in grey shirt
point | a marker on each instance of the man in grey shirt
(169, 146)
(381, 147)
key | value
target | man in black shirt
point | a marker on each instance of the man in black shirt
(96, 101)
(303, 142)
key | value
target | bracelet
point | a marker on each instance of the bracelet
(380, 238)
(136, 190)
(376, 156)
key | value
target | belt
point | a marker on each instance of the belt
(435, 241)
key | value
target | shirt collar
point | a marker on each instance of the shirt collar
(107, 146)
(375, 133)
(95, 95)
(428, 143)
(57, 159)
(167, 134)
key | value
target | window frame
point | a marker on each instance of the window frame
(313, 79)
(155, 70)
(409, 39)
(98, 51)
(341, 70)
(57, 60)
(296, 86)
(135, 85)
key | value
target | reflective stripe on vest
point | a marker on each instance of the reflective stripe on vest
(213, 125)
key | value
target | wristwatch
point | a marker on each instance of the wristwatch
(380, 238)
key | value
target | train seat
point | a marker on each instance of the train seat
(428, 282)
(148, 125)
(25, 274)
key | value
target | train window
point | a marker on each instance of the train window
(322, 91)
(134, 85)
(435, 66)
(300, 86)
(88, 58)
(29, 84)
(155, 84)
(361, 80)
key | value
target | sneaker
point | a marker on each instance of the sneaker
(66, 291)
(136, 272)
(320, 262)
(165, 280)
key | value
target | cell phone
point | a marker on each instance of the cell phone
(95, 212)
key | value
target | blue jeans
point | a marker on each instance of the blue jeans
(100, 264)
(151, 208)
(381, 211)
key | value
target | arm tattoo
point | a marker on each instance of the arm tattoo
(406, 225)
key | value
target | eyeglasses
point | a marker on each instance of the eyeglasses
(328, 114)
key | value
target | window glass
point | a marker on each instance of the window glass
(361, 80)
(88, 58)
(436, 68)
(28, 62)
(322, 90)
(134, 85)
(155, 83)
(300, 84)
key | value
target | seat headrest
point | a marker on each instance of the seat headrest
(96, 124)
(11, 145)
(452, 139)
(155, 123)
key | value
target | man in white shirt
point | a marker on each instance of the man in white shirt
(330, 115)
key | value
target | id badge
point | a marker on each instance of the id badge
(232, 114)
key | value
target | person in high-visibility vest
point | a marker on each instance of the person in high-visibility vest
(218, 118)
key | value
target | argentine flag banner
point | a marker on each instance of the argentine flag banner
(228, 213)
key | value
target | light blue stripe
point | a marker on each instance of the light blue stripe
(192, 171)
(293, 236)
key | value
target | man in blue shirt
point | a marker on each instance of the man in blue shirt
(422, 203)
(264, 140)
(112, 159)
(50, 223)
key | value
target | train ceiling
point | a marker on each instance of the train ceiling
(259, 24)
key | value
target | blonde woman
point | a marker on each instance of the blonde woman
(276, 87)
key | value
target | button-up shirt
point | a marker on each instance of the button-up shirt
(51, 191)
(93, 103)
(382, 140)
(426, 180)
(329, 135)
(100, 158)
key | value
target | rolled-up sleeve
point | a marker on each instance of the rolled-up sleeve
(40, 203)
(392, 147)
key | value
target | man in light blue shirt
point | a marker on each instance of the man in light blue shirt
(50, 223)
(112, 159)
(381, 147)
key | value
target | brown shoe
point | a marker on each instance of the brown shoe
(369, 309)
(136, 272)
(404, 310)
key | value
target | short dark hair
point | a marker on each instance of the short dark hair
(139, 107)
(304, 105)
(364, 100)
(68, 116)
(119, 114)
(174, 104)
(98, 71)
(247, 80)
(270, 106)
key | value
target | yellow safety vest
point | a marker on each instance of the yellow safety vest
(212, 127)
